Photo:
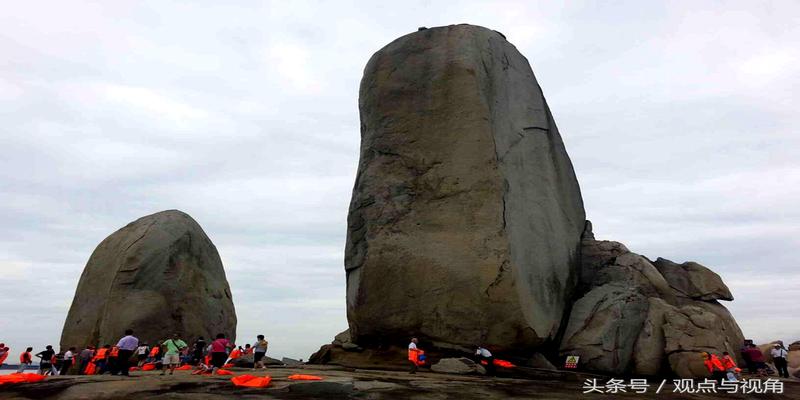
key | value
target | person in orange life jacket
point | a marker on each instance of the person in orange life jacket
(25, 360)
(101, 359)
(155, 353)
(415, 355)
(113, 360)
(714, 367)
(485, 355)
(84, 358)
(3, 353)
(730, 366)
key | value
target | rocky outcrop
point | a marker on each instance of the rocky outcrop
(466, 216)
(157, 275)
(603, 327)
(634, 316)
(693, 280)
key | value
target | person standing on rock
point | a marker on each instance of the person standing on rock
(127, 345)
(141, 354)
(414, 355)
(198, 350)
(46, 363)
(25, 360)
(779, 356)
(84, 357)
(259, 351)
(69, 358)
(484, 354)
(219, 351)
(172, 348)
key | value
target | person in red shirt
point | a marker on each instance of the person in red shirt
(25, 360)
(757, 360)
(219, 351)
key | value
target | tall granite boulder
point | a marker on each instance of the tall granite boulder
(466, 216)
(157, 275)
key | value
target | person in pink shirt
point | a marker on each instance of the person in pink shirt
(219, 350)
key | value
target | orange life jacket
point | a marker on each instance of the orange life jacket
(728, 363)
(154, 351)
(101, 354)
(235, 354)
(413, 355)
(114, 352)
(25, 358)
(713, 364)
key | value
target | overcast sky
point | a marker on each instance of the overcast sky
(680, 119)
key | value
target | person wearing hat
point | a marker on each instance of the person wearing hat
(779, 355)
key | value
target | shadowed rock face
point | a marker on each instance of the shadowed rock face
(466, 216)
(158, 275)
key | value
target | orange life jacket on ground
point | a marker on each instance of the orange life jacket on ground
(728, 363)
(713, 364)
(114, 352)
(251, 381)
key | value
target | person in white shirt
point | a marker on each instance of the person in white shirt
(69, 357)
(141, 354)
(779, 355)
(484, 354)
(414, 354)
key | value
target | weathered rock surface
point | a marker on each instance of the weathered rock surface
(631, 318)
(603, 327)
(466, 215)
(461, 366)
(648, 352)
(693, 280)
(794, 346)
(157, 275)
(540, 361)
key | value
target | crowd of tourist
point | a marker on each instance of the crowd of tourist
(130, 354)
